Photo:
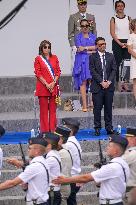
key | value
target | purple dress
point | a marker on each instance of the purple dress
(81, 71)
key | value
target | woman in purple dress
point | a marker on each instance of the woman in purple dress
(85, 43)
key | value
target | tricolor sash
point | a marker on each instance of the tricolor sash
(49, 67)
(51, 71)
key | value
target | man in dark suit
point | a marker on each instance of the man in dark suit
(103, 69)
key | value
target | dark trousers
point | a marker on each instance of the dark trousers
(54, 198)
(103, 98)
(119, 54)
(72, 197)
(120, 203)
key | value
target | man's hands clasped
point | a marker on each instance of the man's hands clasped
(105, 84)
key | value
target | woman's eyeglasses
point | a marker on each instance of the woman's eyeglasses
(85, 26)
(45, 47)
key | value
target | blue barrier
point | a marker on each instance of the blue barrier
(82, 135)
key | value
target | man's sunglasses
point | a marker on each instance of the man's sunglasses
(101, 44)
(80, 4)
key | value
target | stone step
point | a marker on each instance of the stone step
(12, 200)
(27, 102)
(83, 198)
(87, 147)
(26, 84)
(87, 198)
(25, 121)
(88, 159)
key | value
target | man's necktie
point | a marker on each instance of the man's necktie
(83, 16)
(104, 67)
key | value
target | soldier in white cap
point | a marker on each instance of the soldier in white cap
(66, 160)
(74, 147)
(33, 175)
(112, 176)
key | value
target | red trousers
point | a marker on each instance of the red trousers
(47, 113)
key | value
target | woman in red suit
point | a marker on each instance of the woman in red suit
(47, 72)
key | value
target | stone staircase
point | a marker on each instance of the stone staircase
(17, 114)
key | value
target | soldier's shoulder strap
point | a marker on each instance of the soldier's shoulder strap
(45, 169)
(122, 168)
(77, 149)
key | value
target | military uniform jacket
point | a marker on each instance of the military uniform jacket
(74, 25)
(130, 158)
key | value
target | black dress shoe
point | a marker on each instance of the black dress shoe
(110, 132)
(97, 132)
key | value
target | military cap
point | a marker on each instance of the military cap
(52, 136)
(119, 140)
(38, 140)
(131, 132)
(63, 131)
(2, 131)
(70, 121)
(81, 1)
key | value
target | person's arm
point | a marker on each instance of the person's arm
(130, 50)
(71, 33)
(10, 183)
(84, 178)
(113, 69)
(112, 32)
(96, 76)
(38, 73)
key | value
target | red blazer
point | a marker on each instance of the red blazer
(42, 70)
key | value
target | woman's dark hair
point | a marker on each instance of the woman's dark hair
(133, 24)
(99, 39)
(42, 45)
(119, 1)
(84, 20)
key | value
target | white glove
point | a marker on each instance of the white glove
(74, 49)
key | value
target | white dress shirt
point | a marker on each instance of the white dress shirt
(112, 179)
(36, 177)
(76, 168)
(54, 167)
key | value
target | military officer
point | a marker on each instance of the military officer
(112, 176)
(54, 162)
(74, 21)
(74, 25)
(66, 160)
(130, 156)
(33, 175)
(75, 149)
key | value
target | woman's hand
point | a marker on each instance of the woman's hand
(123, 45)
(50, 86)
(81, 48)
